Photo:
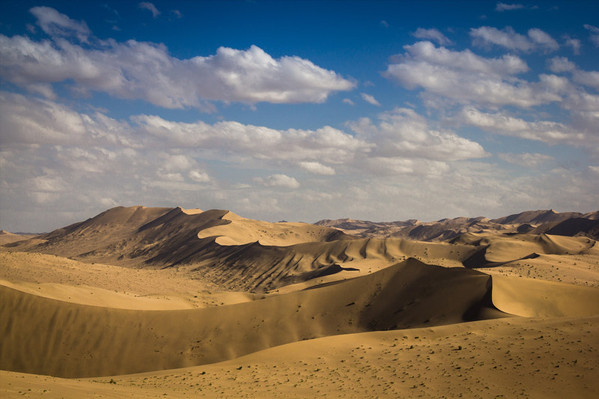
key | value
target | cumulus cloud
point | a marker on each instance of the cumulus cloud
(561, 64)
(278, 180)
(370, 99)
(141, 70)
(56, 24)
(402, 133)
(126, 162)
(502, 123)
(258, 142)
(585, 78)
(432, 34)
(150, 7)
(536, 40)
(317, 168)
(465, 77)
(529, 160)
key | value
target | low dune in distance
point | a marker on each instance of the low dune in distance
(172, 302)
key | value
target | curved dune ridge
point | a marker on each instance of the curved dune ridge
(240, 231)
(105, 341)
(243, 254)
(210, 304)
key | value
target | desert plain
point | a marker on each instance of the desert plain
(170, 302)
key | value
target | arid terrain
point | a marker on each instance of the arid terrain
(170, 302)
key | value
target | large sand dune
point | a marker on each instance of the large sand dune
(209, 304)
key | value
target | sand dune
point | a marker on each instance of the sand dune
(209, 304)
(240, 231)
(97, 284)
(103, 341)
(515, 357)
(9, 238)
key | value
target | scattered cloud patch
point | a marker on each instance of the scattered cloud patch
(58, 25)
(502, 123)
(561, 64)
(348, 101)
(594, 36)
(536, 39)
(529, 160)
(370, 99)
(402, 133)
(574, 44)
(278, 180)
(146, 5)
(508, 7)
(141, 70)
(432, 34)
(317, 168)
(465, 77)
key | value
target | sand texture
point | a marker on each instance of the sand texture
(163, 302)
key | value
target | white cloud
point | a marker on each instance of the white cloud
(278, 180)
(317, 168)
(258, 142)
(150, 7)
(432, 34)
(38, 121)
(348, 101)
(370, 99)
(199, 176)
(543, 39)
(574, 44)
(508, 38)
(430, 170)
(586, 78)
(403, 133)
(465, 77)
(594, 36)
(530, 160)
(508, 7)
(56, 24)
(139, 70)
(561, 64)
(504, 124)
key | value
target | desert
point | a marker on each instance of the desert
(154, 302)
(299, 199)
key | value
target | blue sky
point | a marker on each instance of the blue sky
(297, 110)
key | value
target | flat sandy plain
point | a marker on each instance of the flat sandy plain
(155, 302)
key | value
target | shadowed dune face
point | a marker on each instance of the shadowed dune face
(243, 254)
(104, 341)
(390, 327)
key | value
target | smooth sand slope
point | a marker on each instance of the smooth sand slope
(209, 304)
(502, 358)
(106, 341)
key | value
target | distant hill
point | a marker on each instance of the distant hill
(236, 253)
(537, 222)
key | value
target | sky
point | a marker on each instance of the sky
(297, 110)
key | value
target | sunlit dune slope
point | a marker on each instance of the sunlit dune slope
(104, 341)
(509, 357)
(241, 231)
